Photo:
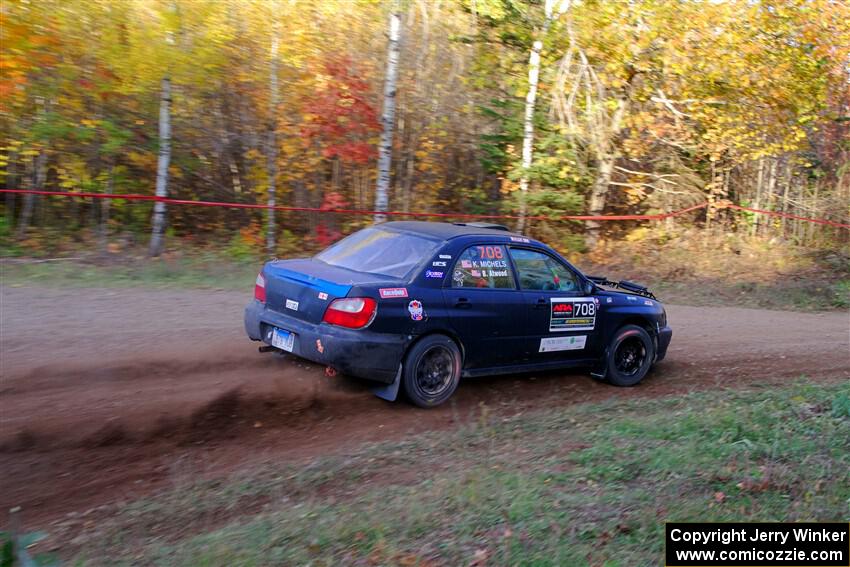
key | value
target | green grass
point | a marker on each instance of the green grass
(204, 271)
(842, 294)
(591, 484)
(219, 271)
(784, 294)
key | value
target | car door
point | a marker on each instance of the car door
(562, 322)
(485, 308)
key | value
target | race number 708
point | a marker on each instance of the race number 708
(585, 310)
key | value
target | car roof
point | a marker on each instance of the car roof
(444, 230)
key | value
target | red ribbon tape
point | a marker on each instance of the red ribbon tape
(170, 201)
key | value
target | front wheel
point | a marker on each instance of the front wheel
(630, 355)
(431, 371)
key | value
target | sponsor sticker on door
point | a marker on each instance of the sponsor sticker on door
(562, 343)
(416, 310)
(392, 292)
(572, 314)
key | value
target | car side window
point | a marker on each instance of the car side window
(541, 272)
(483, 266)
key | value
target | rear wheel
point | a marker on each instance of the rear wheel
(630, 355)
(431, 371)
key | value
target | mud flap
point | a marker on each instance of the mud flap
(600, 371)
(390, 391)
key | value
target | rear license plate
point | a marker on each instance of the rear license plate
(283, 340)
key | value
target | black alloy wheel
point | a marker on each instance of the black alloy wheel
(431, 371)
(630, 355)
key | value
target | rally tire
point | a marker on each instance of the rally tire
(630, 355)
(431, 371)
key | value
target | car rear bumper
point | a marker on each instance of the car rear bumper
(664, 336)
(360, 353)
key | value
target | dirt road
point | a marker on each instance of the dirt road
(105, 393)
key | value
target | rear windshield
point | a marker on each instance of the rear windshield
(378, 251)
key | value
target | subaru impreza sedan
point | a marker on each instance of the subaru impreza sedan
(416, 306)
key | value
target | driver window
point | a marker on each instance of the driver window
(541, 272)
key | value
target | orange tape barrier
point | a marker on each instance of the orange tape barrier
(170, 201)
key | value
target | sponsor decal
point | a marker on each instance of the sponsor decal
(433, 274)
(647, 302)
(415, 309)
(323, 296)
(477, 263)
(391, 292)
(609, 300)
(485, 264)
(572, 314)
(562, 343)
(631, 298)
(445, 256)
(519, 239)
(290, 304)
(438, 264)
(319, 346)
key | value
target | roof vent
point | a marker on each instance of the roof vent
(489, 225)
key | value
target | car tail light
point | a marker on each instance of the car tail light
(260, 288)
(351, 312)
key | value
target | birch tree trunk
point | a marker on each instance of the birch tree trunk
(757, 203)
(29, 198)
(769, 200)
(528, 123)
(606, 157)
(158, 230)
(104, 206)
(12, 183)
(36, 177)
(598, 197)
(809, 234)
(385, 151)
(530, 103)
(788, 177)
(271, 156)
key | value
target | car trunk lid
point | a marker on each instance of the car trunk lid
(304, 288)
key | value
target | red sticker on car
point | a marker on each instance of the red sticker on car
(392, 292)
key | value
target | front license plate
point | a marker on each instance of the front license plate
(283, 340)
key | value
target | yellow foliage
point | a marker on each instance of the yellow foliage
(638, 234)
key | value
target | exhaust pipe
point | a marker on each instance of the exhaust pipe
(267, 348)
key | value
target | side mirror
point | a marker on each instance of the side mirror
(589, 287)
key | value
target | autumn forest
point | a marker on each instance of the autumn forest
(529, 108)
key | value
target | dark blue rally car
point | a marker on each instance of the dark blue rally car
(418, 305)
